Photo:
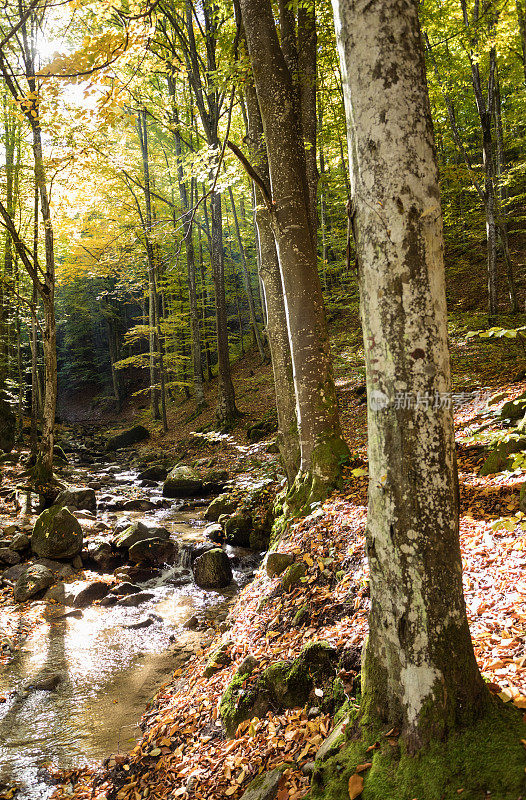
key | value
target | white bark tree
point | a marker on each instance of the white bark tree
(419, 670)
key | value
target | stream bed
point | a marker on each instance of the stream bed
(109, 666)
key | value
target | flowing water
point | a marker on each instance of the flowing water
(108, 671)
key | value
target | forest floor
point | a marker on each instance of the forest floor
(183, 753)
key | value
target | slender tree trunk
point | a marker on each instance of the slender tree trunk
(152, 290)
(521, 17)
(307, 87)
(35, 382)
(246, 280)
(204, 316)
(323, 449)
(419, 670)
(44, 466)
(226, 411)
(502, 197)
(190, 268)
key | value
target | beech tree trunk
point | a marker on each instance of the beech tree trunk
(152, 289)
(307, 61)
(190, 267)
(419, 670)
(246, 281)
(276, 317)
(322, 447)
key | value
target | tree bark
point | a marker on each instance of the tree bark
(190, 266)
(521, 17)
(276, 317)
(419, 670)
(307, 62)
(322, 447)
(246, 281)
(152, 290)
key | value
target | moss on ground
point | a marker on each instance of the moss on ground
(485, 760)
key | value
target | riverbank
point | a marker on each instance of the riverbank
(184, 750)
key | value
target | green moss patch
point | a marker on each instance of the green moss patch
(485, 760)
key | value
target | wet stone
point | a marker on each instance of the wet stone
(134, 600)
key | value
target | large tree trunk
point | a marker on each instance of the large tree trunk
(419, 671)
(321, 442)
(276, 317)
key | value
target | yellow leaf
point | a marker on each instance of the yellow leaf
(308, 560)
(231, 790)
(355, 786)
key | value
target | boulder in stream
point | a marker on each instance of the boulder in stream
(183, 481)
(155, 552)
(222, 504)
(212, 570)
(238, 528)
(126, 438)
(57, 534)
(80, 594)
(133, 600)
(153, 473)
(34, 579)
(137, 532)
(9, 557)
(78, 498)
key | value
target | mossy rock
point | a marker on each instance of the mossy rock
(219, 659)
(281, 685)
(486, 759)
(277, 563)
(126, 438)
(238, 528)
(266, 785)
(222, 504)
(293, 575)
(57, 534)
(499, 458)
(513, 409)
(182, 481)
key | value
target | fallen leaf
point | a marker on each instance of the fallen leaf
(355, 786)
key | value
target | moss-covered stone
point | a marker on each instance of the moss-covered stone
(283, 684)
(499, 459)
(293, 575)
(485, 759)
(238, 528)
(220, 658)
(222, 504)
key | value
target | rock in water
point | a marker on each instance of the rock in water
(57, 534)
(238, 528)
(77, 498)
(138, 532)
(33, 580)
(126, 438)
(183, 481)
(154, 552)
(222, 504)
(212, 570)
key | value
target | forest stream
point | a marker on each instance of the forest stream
(110, 660)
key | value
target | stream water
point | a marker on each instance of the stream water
(109, 671)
